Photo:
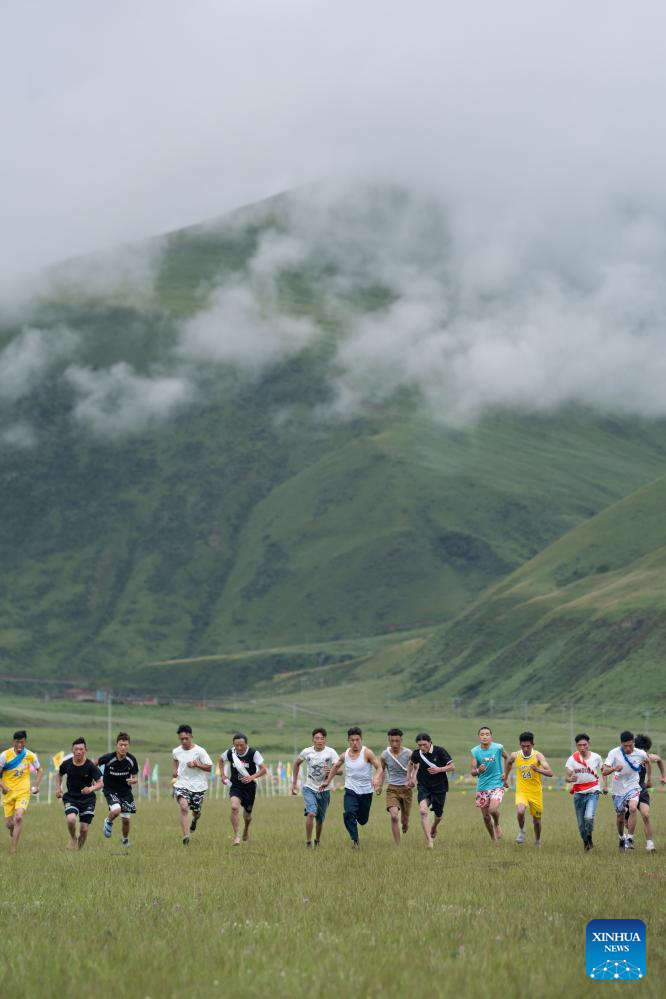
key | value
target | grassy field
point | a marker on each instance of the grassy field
(470, 918)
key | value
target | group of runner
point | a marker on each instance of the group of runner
(426, 768)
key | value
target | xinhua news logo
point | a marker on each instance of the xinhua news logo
(615, 949)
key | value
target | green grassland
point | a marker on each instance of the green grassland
(469, 918)
(588, 613)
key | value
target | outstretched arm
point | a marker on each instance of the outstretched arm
(294, 775)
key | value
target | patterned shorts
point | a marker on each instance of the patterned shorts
(483, 798)
(194, 798)
(127, 804)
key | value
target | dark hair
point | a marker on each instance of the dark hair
(20, 734)
(626, 736)
(485, 727)
(395, 731)
(80, 742)
(239, 735)
(319, 731)
(185, 728)
(582, 736)
(526, 737)
(423, 737)
(354, 730)
(643, 742)
(122, 737)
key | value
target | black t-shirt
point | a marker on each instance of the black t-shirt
(251, 759)
(438, 757)
(79, 777)
(117, 771)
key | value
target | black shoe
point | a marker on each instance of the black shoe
(309, 844)
(586, 844)
(590, 844)
(316, 842)
(193, 823)
(621, 844)
(186, 840)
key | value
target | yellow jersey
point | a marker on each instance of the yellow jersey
(527, 781)
(17, 779)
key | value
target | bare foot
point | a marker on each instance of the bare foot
(237, 841)
(433, 832)
(430, 845)
(404, 829)
(498, 832)
(72, 845)
(246, 835)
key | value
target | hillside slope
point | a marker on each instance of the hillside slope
(585, 619)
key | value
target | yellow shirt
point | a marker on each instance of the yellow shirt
(527, 781)
(18, 778)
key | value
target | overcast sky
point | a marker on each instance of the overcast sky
(126, 119)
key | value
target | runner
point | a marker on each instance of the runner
(190, 763)
(120, 773)
(625, 762)
(488, 768)
(358, 762)
(582, 772)
(395, 763)
(644, 742)
(247, 767)
(84, 780)
(15, 765)
(428, 769)
(319, 759)
(531, 766)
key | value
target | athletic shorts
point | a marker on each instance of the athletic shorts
(14, 800)
(82, 805)
(399, 796)
(126, 802)
(246, 793)
(621, 801)
(483, 798)
(194, 799)
(316, 803)
(435, 799)
(534, 803)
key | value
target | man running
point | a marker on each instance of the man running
(644, 742)
(582, 772)
(428, 769)
(190, 763)
(531, 766)
(247, 767)
(395, 764)
(359, 762)
(319, 758)
(487, 765)
(15, 765)
(624, 763)
(120, 774)
(84, 780)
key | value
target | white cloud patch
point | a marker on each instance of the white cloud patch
(20, 435)
(27, 359)
(117, 401)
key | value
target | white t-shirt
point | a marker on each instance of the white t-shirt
(626, 779)
(190, 778)
(317, 762)
(582, 771)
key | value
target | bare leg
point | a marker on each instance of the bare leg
(494, 808)
(433, 828)
(247, 818)
(17, 828)
(394, 812)
(184, 817)
(235, 817)
(114, 812)
(633, 815)
(537, 828)
(83, 834)
(488, 822)
(520, 815)
(309, 826)
(71, 829)
(126, 828)
(619, 818)
(425, 823)
(320, 826)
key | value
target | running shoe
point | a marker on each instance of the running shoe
(125, 841)
(193, 823)
(186, 840)
(629, 842)
(108, 828)
(621, 843)
(649, 846)
(520, 838)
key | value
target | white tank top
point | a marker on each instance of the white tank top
(358, 773)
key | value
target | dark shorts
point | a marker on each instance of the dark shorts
(435, 799)
(246, 793)
(82, 805)
(126, 802)
(194, 799)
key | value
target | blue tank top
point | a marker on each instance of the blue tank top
(492, 757)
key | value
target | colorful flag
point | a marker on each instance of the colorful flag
(57, 759)
(146, 769)
(156, 774)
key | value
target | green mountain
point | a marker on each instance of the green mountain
(249, 516)
(584, 618)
